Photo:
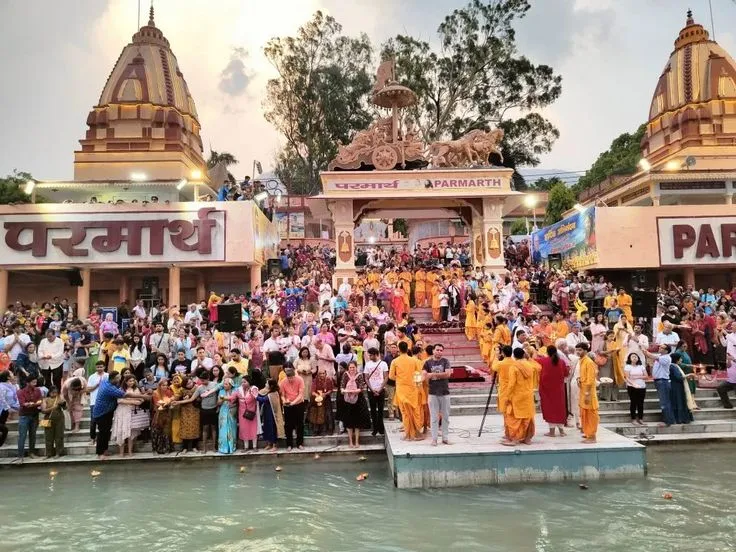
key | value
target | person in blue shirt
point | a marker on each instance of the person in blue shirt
(103, 411)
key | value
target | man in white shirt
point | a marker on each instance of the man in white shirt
(376, 376)
(201, 361)
(575, 336)
(667, 336)
(272, 344)
(638, 343)
(193, 317)
(139, 311)
(15, 343)
(370, 341)
(51, 359)
(93, 384)
(325, 357)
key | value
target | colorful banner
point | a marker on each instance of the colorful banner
(296, 225)
(569, 243)
(282, 221)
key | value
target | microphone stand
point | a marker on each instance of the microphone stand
(488, 403)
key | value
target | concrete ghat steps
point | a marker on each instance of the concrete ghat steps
(78, 444)
(338, 453)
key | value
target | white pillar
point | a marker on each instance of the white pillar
(493, 234)
(342, 216)
(83, 293)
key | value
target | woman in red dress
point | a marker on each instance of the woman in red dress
(552, 390)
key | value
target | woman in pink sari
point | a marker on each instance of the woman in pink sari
(248, 417)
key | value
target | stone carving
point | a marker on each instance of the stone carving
(382, 145)
(494, 243)
(345, 246)
(472, 149)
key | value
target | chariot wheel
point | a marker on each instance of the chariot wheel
(385, 158)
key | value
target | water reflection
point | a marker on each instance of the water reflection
(211, 506)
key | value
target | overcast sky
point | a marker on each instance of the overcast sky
(57, 56)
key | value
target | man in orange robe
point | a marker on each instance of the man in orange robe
(589, 417)
(501, 366)
(407, 396)
(519, 424)
(420, 287)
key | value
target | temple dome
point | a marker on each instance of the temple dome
(695, 97)
(145, 106)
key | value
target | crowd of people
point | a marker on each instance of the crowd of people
(314, 359)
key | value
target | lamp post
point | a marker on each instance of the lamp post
(530, 202)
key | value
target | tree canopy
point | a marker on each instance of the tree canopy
(318, 99)
(561, 199)
(621, 157)
(11, 188)
(546, 184)
(477, 78)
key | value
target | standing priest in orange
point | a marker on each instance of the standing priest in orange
(588, 394)
(519, 422)
(408, 399)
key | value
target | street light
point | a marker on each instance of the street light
(138, 177)
(644, 164)
(196, 174)
(673, 165)
(530, 201)
(181, 184)
(30, 186)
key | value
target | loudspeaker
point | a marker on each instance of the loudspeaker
(644, 303)
(274, 268)
(229, 317)
(150, 285)
(75, 277)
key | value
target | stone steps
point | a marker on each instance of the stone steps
(698, 426)
(333, 453)
(78, 444)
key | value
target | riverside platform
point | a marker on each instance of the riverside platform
(473, 460)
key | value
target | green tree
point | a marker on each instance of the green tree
(318, 99)
(561, 199)
(546, 184)
(621, 157)
(401, 226)
(12, 188)
(221, 157)
(477, 78)
(519, 227)
(224, 157)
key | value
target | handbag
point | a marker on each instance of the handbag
(46, 422)
(249, 414)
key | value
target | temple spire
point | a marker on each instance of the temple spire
(690, 20)
(150, 16)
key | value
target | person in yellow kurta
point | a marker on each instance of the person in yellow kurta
(405, 278)
(392, 276)
(407, 397)
(560, 327)
(502, 333)
(418, 352)
(485, 340)
(420, 288)
(625, 302)
(374, 280)
(501, 365)
(588, 396)
(435, 301)
(608, 300)
(519, 422)
(523, 286)
(471, 323)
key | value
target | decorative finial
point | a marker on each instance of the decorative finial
(150, 16)
(690, 19)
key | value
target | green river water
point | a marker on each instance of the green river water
(318, 505)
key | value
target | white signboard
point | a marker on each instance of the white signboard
(697, 241)
(113, 238)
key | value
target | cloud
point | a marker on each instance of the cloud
(235, 78)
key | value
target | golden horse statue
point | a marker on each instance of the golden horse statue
(472, 149)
